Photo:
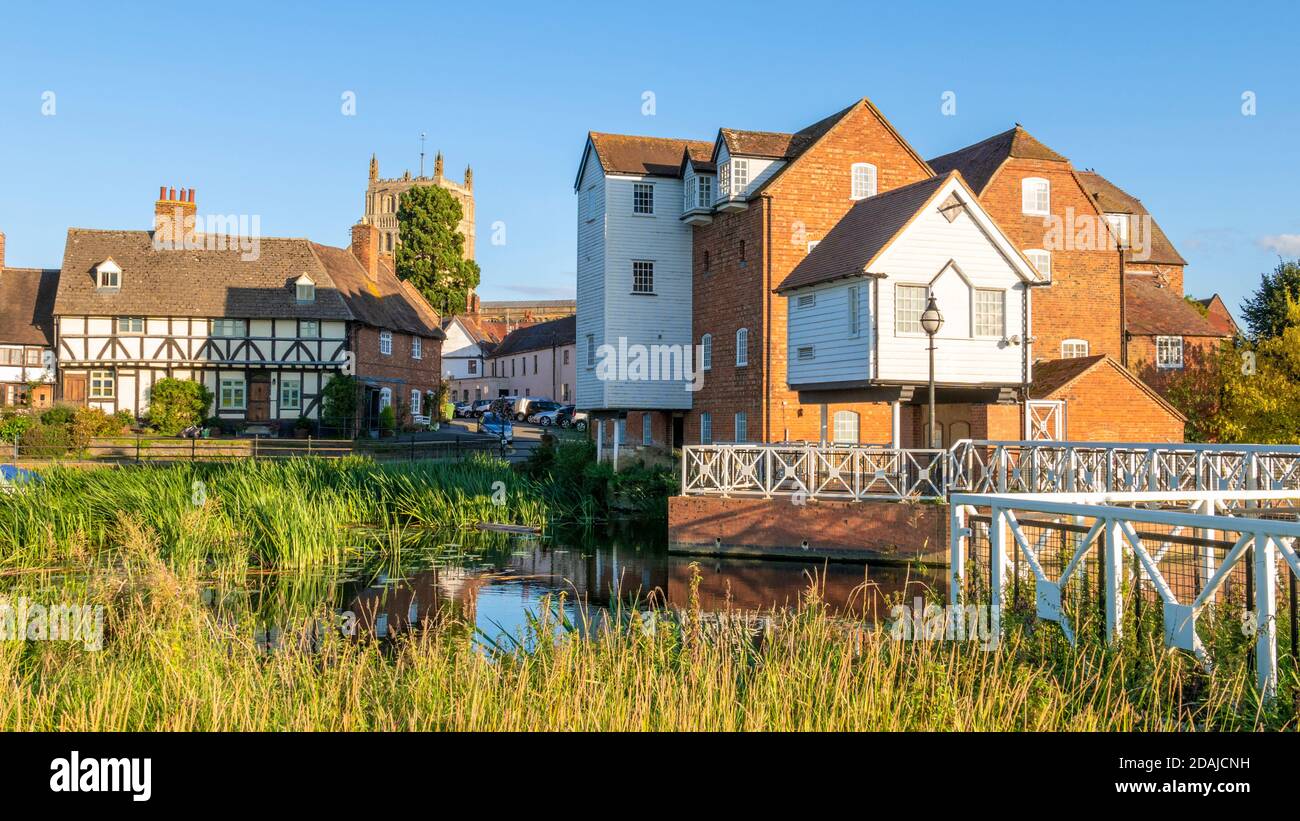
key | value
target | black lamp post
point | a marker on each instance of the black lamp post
(931, 322)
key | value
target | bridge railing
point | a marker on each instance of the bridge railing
(835, 472)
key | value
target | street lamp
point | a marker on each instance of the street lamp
(931, 322)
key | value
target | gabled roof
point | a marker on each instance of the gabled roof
(27, 306)
(862, 236)
(203, 283)
(551, 334)
(1151, 310)
(642, 156)
(385, 302)
(1053, 375)
(476, 330)
(699, 156)
(1216, 311)
(1111, 198)
(980, 161)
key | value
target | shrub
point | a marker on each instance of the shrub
(59, 415)
(176, 404)
(387, 419)
(45, 441)
(89, 423)
(14, 425)
(339, 403)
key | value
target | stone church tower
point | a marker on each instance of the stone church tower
(382, 198)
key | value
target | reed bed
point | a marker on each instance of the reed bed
(168, 664)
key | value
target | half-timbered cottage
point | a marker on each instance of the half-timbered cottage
(26, 334)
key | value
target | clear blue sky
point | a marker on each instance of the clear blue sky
(242, 102)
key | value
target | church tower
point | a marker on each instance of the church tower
(384, 195)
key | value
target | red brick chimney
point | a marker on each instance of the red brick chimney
(365, 247)
(2, 250)
(174, 213)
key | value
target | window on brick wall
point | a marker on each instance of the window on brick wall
(1074, 348)
(706, 428)
(1042, 261)
(846, 427)
(1169, 351)
(415, 402)
(864, 180)
(1119, 226)
(386, 343)
(647, 429)
(1036, 196)
(742, 427)
(417, 348)
(706, 352)
(742, 347)
(643, 198)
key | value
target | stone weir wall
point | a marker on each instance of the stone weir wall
(850, 531)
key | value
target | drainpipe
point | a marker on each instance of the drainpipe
(1123, 312)
(765, 286)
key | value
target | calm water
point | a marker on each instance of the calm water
(494, 581)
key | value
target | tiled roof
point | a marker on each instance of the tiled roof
(206, 283)
(654, 156)
(771, 144)
(1151, 310)
(27, 306)
(1219, 316)
(1053, 375)
(1111, 198)
(861, 234)
(385, 302)
(978, 162)
(551, 334)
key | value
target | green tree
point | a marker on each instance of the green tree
(1266, 311)
(341, 399)
(1261, 387)
(431, 255)
(175, 404)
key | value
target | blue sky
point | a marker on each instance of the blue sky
(243, 103)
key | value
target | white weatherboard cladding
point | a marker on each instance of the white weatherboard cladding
(607, 308)
(917, 257)
(760, 170)
(837, 356)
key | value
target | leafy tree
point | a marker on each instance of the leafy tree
(431, 255)
(1261, 387)
(340, 401)
(176, 404)
(1266, 311)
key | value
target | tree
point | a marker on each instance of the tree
(340, 401)
(1261, 387)
(431, 255)
(1266, 312)
(176, 404)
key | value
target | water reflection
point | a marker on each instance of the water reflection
(493, 581)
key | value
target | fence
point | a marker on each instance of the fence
(1202, 560)
(815, 471)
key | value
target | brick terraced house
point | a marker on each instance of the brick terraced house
(751, 211)
(263, 331)
(27, 367)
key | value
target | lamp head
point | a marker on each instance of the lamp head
(931, 318)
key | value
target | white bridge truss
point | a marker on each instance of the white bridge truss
(1255, 528)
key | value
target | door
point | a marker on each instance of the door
(259, 397)
(74, 388)
(679, 431)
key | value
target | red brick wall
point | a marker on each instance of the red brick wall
(1198, 351)
(1083, 301)
(1173, 273)
(1104, 406)
(397, 371)
(776, 527)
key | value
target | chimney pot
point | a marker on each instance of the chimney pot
(162, 192)
(191, 195)
(172, 196)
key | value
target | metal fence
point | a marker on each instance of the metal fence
(814, 471)
(141, 449)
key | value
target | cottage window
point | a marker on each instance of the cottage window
(417, 348)
(385, 398)
(108, 277)
(739, 176)
(305, 289)
(233, 395)
(643, 198)
(11, 356)
(1042, 261)
(1074, 348)
(102, 385)
(703, 191)
(290, 393)
(706, 428)
(1036, 196)
(706, 352)
(742, 347)
(130, 324)
(846, 427)
(415, 401)
(228, 327)
(864, 180)
(990, 313)
(386, 343)
(34, 356)
(742, 427)
(1169, 351)
(643, 277)
(308, 328)
(909, 304)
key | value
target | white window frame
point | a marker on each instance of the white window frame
(742, 348)
(740, 425)
(1166, 346)
(102, 385)
(417, 348)
(1036, 196)
(643, 199)
(305, 291)
(1076, 345)
(591, 353)
(219, 327)
(862, 181)
(981, 327)
(706, 428)
(108, 276)
(703, 191)
(237, 387)
(739, 176)
(643, 276)
(907, 325)
(1041, 260)
(1119, 227)
(295, 403)
(840, 429)
(706, 352)
(130, 322)
(415, 401)
(304, 325)
(386, 343)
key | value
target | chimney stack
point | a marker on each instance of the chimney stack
(365, 247)
(174, 215)
(2, 250)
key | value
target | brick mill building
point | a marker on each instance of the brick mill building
(708, 246)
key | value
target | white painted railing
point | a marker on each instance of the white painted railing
(857, 472)
(1108, 528)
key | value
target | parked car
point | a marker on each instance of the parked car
(461, 409)
(523, 405)
(547, 418)
(498, 426)
(571, 417)
(480, 407)
(541, 406)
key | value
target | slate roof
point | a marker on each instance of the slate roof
(861, 234)
(978, 162)
(27, 306)
(653, 156)
(1151, 310)
(1111, 198)
(552, 334)
(386, 301)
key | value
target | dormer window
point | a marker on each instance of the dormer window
(1036, 196)
(739, 176)
(704, 191)
(864, 180)
(305, 288)
(1119, 226)
(108, 276)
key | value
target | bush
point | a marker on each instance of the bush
(176, 404)
(14, 425)
(45, 441)
(90, 423)
(339, 403)
(387, 419)
(59, 415)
